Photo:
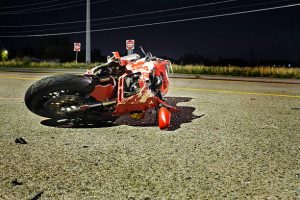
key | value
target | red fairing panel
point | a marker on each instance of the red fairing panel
(102, 93)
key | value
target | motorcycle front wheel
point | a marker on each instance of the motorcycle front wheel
(58, 97)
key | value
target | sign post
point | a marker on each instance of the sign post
(130, 46)
(77, 48)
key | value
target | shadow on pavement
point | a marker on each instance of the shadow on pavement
(66, 123)
(185, 115)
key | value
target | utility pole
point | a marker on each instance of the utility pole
(88, 33)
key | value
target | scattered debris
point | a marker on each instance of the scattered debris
(295, 108)
(16, 182)
(37, 196)
(20, 141)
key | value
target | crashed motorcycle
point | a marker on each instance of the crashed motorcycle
(123, 85)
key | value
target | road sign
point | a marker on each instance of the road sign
(77, 46)
(129, 44)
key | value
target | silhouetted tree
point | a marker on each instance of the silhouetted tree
(56, 47)
(190, 58)
(97, 56)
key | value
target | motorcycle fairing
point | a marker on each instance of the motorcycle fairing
(103, 92)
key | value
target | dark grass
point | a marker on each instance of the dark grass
(259, 71)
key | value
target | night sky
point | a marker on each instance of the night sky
(266, 35)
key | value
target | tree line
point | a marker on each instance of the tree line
(60, 49)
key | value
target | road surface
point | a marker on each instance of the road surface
(231, 140)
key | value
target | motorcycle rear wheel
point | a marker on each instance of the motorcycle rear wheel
(65, 87)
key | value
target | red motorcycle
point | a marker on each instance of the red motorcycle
(123, 85)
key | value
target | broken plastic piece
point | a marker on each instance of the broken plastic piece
(164, 118)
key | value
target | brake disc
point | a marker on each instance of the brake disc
(65, 104)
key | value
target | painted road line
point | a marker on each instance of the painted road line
(190, 89)
(237, 92)
(10, 98)
(244, 79)
(19, 78)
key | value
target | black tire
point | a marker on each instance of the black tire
(74, 84)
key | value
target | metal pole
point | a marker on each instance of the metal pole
(76, 56)
(88, 33)
(129, 51)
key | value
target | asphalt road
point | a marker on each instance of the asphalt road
(231, 140)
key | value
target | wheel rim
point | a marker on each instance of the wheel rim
(65, 104)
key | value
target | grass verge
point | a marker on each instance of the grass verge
(260, 71)
(28, 64)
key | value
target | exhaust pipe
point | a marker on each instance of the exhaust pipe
(97, 104)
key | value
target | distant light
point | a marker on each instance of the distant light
(5, 52)
(4, 55)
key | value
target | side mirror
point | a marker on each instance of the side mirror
(108, 58)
